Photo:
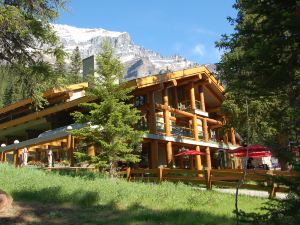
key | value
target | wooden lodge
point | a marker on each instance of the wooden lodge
(180, 110)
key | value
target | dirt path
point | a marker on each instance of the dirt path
(44, 214)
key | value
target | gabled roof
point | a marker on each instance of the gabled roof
(47, 94)
(181, 74)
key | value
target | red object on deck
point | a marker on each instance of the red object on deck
(190, 152)
(253, 154)
(251, 148)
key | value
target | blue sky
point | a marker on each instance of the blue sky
(185, 27)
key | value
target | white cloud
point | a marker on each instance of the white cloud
(204, 31)
(199, 49)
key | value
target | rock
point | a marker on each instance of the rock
(5, 201)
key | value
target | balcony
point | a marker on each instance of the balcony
(179, 131)
(186, 106)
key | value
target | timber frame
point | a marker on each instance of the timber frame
(181, 110)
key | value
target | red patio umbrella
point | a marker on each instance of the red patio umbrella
(250, 148)
(253, 154)
(190, 152)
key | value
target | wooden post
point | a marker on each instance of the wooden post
(70, 149)
(195, 124)
(272, 192)
(208, 180)
(16, 157)
(166, 112)
(208, 159)
(205, 129)
(160, 174)
(91, 151)
(175, 97)
(152, 118)
(202, 99)
(169, 154)
(4, 157)
(232, 132)
(154, 154)
(207, 149)
(198, 159)
(128, 173)
(167, 127)
(226, 137)
(192, 96)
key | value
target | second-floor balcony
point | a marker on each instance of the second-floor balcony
(186, 106)
(180, 131)
(176, 130)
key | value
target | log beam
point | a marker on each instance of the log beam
(202, 98)
(151, 115)
(154, 154)
(208, 159)
(232, 133)
(169, 154)
(166, 111)
(198, 159)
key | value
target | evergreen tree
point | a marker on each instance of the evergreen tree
(8, 93)
(12, 92)
(76, 65)
(262, 64)
(110, 116)
(25, 25)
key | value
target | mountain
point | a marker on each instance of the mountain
(138, 61)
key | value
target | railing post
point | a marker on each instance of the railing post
(208, 179)
(128, 174)
(16, 158)
(160, 174)
(272, 191)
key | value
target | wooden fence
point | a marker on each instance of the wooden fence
(264, 180)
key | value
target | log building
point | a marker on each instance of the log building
(180, 110)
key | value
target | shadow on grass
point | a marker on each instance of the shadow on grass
(88, 175)
(50, 206)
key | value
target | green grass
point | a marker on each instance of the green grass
(120, 202)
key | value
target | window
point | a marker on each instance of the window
(140, 100)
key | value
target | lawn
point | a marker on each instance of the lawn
(51, 198)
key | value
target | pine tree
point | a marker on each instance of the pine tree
(111, 117)
(262, 64)
(12, 93)
(76, 64)
(25, 25)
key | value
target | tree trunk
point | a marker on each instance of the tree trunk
(112, 169)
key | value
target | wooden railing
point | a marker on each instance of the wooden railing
(255, 179)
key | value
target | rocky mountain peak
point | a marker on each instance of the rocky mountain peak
(138, 61)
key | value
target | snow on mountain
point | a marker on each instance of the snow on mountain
(138, 61)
